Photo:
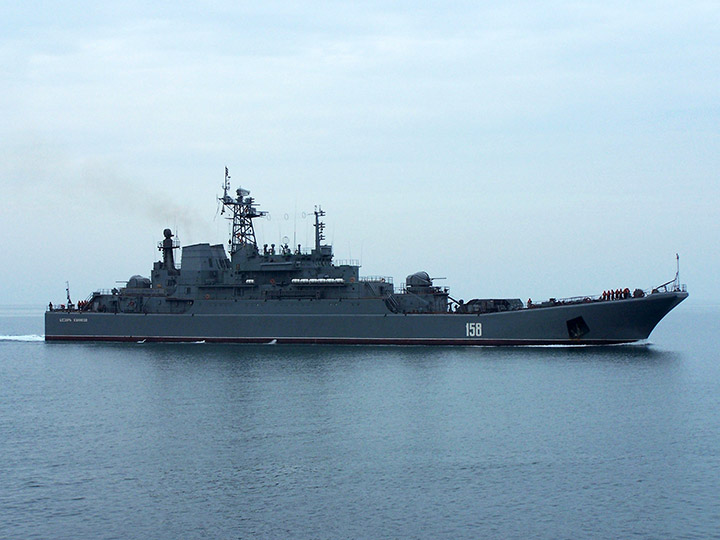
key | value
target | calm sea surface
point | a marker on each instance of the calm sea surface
(236, 441)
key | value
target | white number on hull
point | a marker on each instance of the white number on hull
(473, 329)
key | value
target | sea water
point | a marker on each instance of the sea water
(146, 440)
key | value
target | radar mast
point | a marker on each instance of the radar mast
(242, 211)
(319, 227)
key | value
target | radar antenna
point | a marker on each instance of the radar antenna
(242, 212)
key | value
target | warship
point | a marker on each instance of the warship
(283, 294)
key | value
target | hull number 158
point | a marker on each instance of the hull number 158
(473, 329)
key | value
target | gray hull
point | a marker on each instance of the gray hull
(618, 321)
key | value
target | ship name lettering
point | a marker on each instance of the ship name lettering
(473, 329)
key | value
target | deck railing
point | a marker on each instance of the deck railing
(375, 279)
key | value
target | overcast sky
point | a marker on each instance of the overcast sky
(519, 149)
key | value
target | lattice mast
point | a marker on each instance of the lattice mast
(242, 212)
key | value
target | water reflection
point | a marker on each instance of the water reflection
(319, 355)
